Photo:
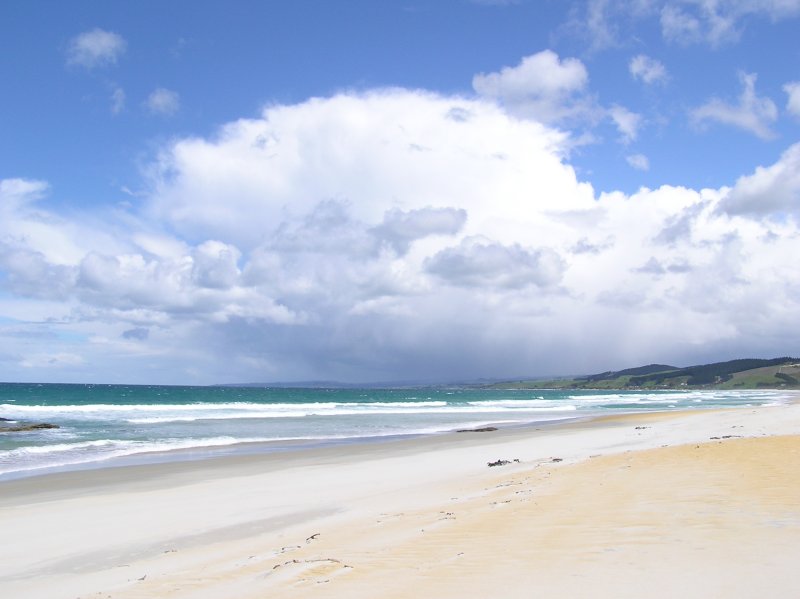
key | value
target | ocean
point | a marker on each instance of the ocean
(112, 425)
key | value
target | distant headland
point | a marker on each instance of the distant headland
(776, 373)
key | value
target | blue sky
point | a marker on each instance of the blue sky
(198, 192)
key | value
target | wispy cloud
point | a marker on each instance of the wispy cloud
(792, 90)
(626, 121)
(677, 25)
(163, 101)
(638, 161)
(612, 23)
(753, 113)
(646, 69)
(117, 100)
(718, 22)
(95, 48)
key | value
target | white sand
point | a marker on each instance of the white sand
(661, 511)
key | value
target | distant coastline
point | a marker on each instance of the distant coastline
(744, 374)
(741, 374)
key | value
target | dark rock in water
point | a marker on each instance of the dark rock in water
(497, 463)
(483, 429)
(6, 420)
(27, 427)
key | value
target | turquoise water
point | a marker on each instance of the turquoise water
(106, 425)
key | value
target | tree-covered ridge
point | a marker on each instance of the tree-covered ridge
(750, 373)
(708, 374)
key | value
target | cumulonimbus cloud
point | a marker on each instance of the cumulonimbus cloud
(393, 234)
(477, 263)
(400, 228)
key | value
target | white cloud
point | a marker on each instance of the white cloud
(769, 190)
(542, 86)
(638, 161)
(545, 88)
(649, 70)
(400, 228)
(792, 89)
(163, 101)
(215, 265)
(25, 226)
(95, 48)
(753, 113)
(655, 267)
(279, 168)
(480, 263)
(16, 193)
(627, 123)
(374, 237)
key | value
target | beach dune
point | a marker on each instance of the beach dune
(691, 504)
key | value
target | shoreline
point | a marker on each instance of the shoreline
(253, 427)
(259, 457)
(202, 454)
(82, 532)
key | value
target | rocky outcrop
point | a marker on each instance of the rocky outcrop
(483, 429)
(18, 427)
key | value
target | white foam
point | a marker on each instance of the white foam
(528, 404)
(24, 459)
(154, 414)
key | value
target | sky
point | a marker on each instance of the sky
(198, 192)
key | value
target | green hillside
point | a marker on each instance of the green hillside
(777, 373)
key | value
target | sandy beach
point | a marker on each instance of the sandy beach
(691, 504)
